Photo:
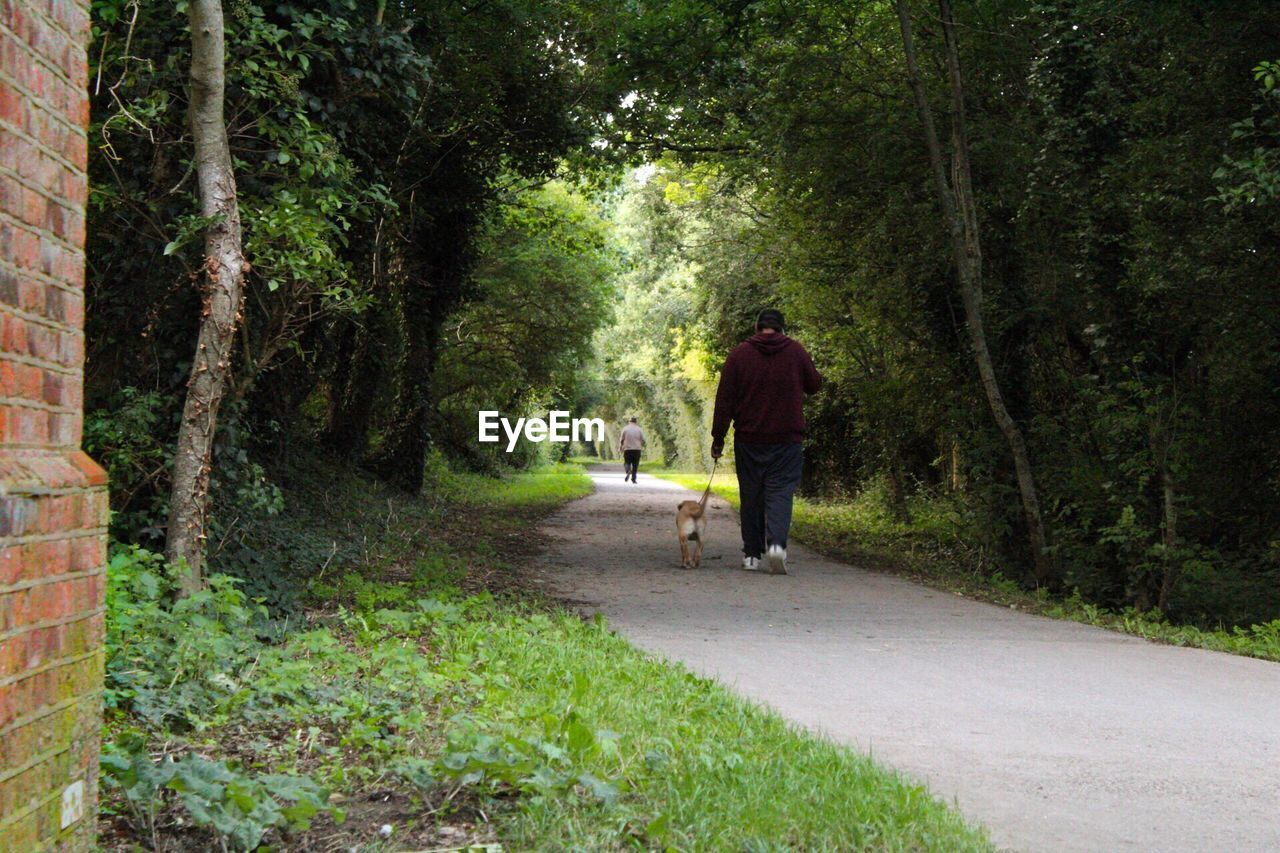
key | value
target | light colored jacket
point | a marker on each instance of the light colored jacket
(632, 438)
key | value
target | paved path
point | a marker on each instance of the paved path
(1056, 736)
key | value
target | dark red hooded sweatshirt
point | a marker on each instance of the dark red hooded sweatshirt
(762, 388)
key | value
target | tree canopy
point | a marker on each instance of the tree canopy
(442, 212)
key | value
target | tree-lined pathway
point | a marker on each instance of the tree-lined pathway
(1056, 736)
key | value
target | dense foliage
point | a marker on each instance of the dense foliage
(532, 204)
(1124, 167)
(437, 220)
(393, 163)
(526, 205)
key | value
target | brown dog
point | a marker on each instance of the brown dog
(691, 525)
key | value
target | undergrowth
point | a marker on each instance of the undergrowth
(408, 707)
(935, 549)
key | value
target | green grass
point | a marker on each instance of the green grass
(459, 718)
(549, 485)
(934, 550)
(695, 767)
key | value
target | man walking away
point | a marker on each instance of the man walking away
(762, 388)
(630, 443)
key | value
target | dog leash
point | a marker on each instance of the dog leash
(715, 463)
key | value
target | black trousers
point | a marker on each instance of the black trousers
(630, 463)
(768, 476)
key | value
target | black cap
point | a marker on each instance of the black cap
(771, 319)
(633, 420)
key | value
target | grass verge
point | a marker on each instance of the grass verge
(933, 550)
(423, 699)
(688, 765)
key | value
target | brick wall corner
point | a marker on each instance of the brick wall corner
(53, 498)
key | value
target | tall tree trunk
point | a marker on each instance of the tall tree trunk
(223, 297)
(1161, 448)
(1170, 539)
(401, 460)
(957, 477)
(960, 211)
(353, 386)
(897, 488)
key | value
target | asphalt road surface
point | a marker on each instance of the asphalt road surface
(1055, 736)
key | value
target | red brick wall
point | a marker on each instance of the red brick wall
(53, 501)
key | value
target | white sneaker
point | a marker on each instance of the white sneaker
(776, 560)
(751, 564)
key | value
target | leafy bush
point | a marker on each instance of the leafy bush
(499, 764)
(178, 667)
(498, 760)
(172, 660)
(126, 438)
(240, 807)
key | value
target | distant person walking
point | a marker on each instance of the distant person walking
(630, 443)
(762, 388)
